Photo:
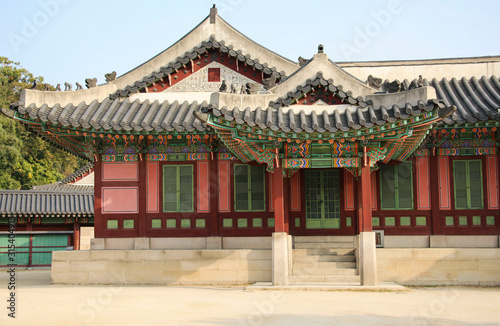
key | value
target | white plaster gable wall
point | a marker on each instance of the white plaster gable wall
(198, 82)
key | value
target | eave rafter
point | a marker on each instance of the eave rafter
(82, 142)
(391, 141)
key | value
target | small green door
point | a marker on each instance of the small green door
(21, 244)
(322, 199)
(44, 244)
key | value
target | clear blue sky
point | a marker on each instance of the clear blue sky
(74, 40)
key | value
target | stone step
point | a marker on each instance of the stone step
(301, 279)
(324, 251)
(324, 239)
(334, 249)
(322, 265)
(321, 245)
(324, 258)
(324, 271)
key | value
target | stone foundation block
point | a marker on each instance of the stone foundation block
(214, 243)
(141, 244)
(97, 244)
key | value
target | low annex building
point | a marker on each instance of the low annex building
(47, 218)
(219, 161)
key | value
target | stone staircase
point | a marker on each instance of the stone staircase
(329, 259)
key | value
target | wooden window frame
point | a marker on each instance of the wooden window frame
(249, 192)
(395, 182)
(467, 180)
(178, 209)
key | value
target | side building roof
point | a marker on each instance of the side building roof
(61, 199)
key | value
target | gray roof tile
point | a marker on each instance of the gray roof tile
(476, 100)
(124, 115)
(329, 119)
(15, 202)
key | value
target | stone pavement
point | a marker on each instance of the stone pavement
(39, 303)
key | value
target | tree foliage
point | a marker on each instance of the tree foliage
(26, 160)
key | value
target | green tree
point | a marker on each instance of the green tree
(26, 160)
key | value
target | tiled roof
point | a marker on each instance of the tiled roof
(15, 202)
(475, 99)
(70, 187)
(352, 117)
(121, 115)
(78, 173)
(62, 197)
(188, 56)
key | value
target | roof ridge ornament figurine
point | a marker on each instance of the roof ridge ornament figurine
(392, 87)
(91, 82)
(223, 86)
(252, 88)
(320, 48)
(213, 13)
(374, 81)
(78, 86)
(270, 82)
(303, 61)
(110, 76)
(67, 86)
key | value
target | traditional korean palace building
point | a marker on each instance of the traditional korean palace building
(220, 161)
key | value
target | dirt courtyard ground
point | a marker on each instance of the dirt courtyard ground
(40, 303)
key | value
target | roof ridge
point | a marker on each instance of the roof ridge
(78, 173)
(328, 84)
(181, 61)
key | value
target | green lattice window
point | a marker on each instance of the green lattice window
(178, 188)
(322, 192)
(249, 188)
(468, 179)
(396, 186)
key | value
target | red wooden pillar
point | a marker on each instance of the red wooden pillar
(364, 199)
(279, 203)
(286, 202)
(214, 198)
(76, 236)
(98, 222)
(434, 188)
(142, 197)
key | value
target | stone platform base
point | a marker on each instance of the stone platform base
(446, 266)
(172, 267)
(350, 287)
